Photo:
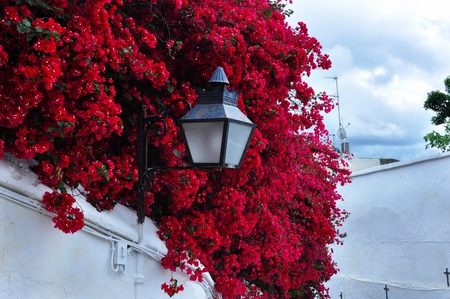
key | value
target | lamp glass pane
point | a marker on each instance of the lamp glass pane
(238, 136)
(204, 140)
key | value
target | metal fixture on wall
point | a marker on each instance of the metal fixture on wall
(216, 133)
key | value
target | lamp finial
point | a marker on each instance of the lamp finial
(219, 76)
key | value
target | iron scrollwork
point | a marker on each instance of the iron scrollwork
(156, 126)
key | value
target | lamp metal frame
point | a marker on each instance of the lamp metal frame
(216, 94)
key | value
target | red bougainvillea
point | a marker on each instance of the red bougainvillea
(172, 288)
(68, 219)
(72, 76)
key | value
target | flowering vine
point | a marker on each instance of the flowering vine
(72, 76)
(172, 287)
(68, 219)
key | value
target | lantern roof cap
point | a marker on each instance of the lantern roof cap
(219, 77)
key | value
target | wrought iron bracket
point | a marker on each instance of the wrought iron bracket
(154, 125)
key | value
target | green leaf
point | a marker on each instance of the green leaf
(60, 185)
(107, 90)
(96, 87)
(22, 27)
(177, 153)
(44, 5)
(267, 13)
(103, 172)
(26, 23)
(31, 2)
(52, 129)
(192, 229)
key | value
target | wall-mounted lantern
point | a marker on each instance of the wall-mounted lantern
(215, 131)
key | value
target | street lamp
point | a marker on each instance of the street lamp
(215, 131)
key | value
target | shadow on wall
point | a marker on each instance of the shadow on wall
(384, 161)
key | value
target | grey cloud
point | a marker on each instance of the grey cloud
(387, 59)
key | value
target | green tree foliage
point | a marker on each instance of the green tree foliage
(439, 102)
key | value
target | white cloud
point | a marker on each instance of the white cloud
(387, 56)
(378, 130)
(341, 56)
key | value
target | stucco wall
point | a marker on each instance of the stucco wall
(398, 235)
(38, 261)
(398, 232)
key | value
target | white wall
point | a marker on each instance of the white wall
(398, 235)
(39, 261)
(398, 232)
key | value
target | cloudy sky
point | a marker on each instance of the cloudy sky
(387, 55)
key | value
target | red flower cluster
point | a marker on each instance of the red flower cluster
(74, 73)
(69, 219)
(172, 288)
